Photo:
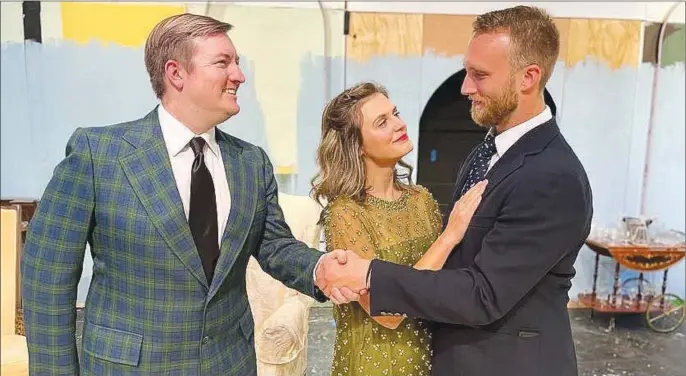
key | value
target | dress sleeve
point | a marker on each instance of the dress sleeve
(344, 228)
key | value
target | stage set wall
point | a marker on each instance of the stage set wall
(87, 70)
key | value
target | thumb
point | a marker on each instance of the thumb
(341, 256)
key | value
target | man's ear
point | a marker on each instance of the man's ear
(531, 78)
(175, 74)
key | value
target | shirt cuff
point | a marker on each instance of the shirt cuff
(368, 278)
(316, 266)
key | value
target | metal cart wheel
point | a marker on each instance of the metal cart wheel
(638, 283)
(665, 313)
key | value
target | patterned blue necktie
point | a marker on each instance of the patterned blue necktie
(479, 165)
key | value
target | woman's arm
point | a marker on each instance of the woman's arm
(433, 259)
(461, 215)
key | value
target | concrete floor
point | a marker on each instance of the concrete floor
(631, 349)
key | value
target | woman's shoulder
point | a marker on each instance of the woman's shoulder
(423, 198)
(422, 189)
(421, 192)
(342, 202)
(342, 205)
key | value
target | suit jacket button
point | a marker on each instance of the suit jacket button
(205, 340)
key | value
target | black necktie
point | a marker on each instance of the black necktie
(202, 216)
(479, 165)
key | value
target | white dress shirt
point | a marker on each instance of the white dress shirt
(505, 140)
(177, 138)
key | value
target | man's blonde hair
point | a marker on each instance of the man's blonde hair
(174, 39)
(533, 35)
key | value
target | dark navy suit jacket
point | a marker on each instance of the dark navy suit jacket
(499, 305)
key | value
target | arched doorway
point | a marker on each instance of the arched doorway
(447, 134)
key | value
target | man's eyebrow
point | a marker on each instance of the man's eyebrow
(225, 56)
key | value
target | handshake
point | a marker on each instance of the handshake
(342, 275)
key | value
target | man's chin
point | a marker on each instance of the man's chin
(232, 111)
(479, 119)
(225, 114)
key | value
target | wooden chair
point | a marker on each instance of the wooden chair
(14, 356)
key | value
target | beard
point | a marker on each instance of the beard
(495, 109)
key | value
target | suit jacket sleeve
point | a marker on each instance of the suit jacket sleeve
(52, 260)
(281, 255)
(539, 223)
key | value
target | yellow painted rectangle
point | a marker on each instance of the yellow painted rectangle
(123, 24)
(285, 170)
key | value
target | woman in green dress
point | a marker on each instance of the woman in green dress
(371, 211)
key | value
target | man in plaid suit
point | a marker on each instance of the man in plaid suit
(172, 209)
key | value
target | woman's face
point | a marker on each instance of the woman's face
(384, 134)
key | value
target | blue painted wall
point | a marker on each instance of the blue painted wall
(49, 90)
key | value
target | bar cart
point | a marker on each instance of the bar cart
(664, 312)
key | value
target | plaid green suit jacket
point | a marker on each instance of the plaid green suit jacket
(149, 310)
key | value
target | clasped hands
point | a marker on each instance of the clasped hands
(341, 275)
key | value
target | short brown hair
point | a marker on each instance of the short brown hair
(533, 36)
(173, 39)
(342, 170)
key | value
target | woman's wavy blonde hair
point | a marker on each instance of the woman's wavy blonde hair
(342, 171)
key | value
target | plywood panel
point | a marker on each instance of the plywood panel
(563, 28)
(382, 34)
(447, 35)
(613, 42)
(624, 10)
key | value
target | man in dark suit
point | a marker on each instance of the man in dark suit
(499, 305)
(172, 209)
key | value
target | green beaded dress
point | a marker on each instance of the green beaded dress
(399, 231)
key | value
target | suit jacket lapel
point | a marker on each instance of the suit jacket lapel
(148, 168)
(531, 143)
(243, 179)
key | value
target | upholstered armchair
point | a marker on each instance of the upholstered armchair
(14, 356)
(281, 314)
